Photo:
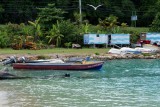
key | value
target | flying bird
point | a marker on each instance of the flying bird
(95, 7)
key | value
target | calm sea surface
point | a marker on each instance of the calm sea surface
(120, 83)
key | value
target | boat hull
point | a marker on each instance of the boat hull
(60, 66)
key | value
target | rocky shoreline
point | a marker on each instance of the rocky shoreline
(126, 56)
(102, 57)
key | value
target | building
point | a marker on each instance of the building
(108, 39)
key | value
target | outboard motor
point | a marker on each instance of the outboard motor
(21, 59)
(10, 60)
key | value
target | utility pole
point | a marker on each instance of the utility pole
(80, 10)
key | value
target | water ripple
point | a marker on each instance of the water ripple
(120, 83)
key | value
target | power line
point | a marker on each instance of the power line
(74, 7)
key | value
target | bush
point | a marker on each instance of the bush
(4, 38)
(69, 30)
(135, 32)
(156, 23)
(68, 44)
(97, 53)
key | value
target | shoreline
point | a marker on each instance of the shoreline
(102, 57)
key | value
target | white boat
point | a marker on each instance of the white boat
(124, 50)
(144, 50)
(114, 51)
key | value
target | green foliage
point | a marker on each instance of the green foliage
(37, 28)
(134, 29)
(110, 24)
(124, 24)
(135, 32)
(1, 9)
(69, 30)
(152, 7)
(55, 33)
(116, 29)
(68, 44)
(85, 28)
(13, 29)
(97, 53)
(77, 17)
(155, 26)
(17, 42)
(4, 39)
(49, 15)
(134, 37)
(27, 30)
(21, 11)
(41, 44)
(96, 29)
(17, 11)
(18, 29)
(17, 33)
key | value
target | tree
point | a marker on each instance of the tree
(37, 28)
(49, 15)
(147, 11)
(69, 30)
(27, 30)
(17, 11)
(1, 11)
(54, 33)
(4, 38)
(155, 26)
(109, 23)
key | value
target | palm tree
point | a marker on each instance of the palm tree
(55, 33)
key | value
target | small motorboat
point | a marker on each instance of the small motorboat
(73, 63)
(85, 65)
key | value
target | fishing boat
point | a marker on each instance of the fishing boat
(72, 63)
(88, 65)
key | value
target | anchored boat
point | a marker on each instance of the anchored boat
(60, 66)
(54, 64)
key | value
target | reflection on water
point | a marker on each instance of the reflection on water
(132, 83)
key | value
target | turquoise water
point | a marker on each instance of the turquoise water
(120, 83)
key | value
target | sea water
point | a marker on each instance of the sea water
(120, 83)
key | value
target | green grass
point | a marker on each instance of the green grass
(86, 51)
(136, 29)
